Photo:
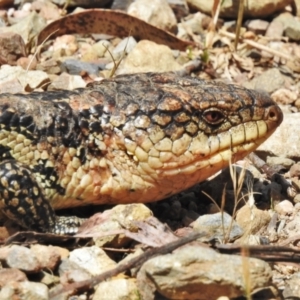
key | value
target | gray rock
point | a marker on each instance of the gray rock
(291, 25)
(24, 259)
(258, 26)
(269, 81)
(218, 224)
(194, 272)
(274, 160)
(76, 67)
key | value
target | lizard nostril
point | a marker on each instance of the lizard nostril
(274, 114)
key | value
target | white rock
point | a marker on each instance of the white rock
(148, 56)
(118, 289)
(154, 12)
(92, 259)
(285, 142)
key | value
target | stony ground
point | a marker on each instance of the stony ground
(263, 211)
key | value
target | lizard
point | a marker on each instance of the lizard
(135, 138)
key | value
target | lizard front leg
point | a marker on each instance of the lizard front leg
(22, 200)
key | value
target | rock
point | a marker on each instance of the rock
(296, 198)
(77, 67)
(147, 56)
(121, 4)
(22, 258)
(4, 251)
(284, 208)
(82, 3)
(124, 47)
(27, 28)
(49, 279)
(295, 170)
(8, 275)
(65, 45)
(27, 63)
(194, 23)
(101, 47)
(121, 217)
(194, 272)
(48, 256)
(252, 8)
(291, 25)
(11, 86)
(46, 9)
(70, 272)
(292, 228)
(297, 104)
(269, 81)
(92, 259)
(258, 26)
(218, 224)
(118, 289)
(24, 290)
(63, 252)
(275, 29)
(292, 290)
(126, 214)
(284, 96)
(155, 12)
(67, 82)
(31, 80)
(283, 161)
(51, 66)
(12, 47)
(289, 143)
(252, 220)
(180, 8)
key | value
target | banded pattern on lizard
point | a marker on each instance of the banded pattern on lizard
(133, 138)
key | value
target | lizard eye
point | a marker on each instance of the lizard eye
(213, 116)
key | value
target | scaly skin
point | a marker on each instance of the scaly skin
(134, 138)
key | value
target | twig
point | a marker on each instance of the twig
(239, 23)
(269, 253)
(133, 263)
(258, 46)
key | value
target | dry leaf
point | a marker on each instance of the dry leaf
(151, 232)
(111, 22)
